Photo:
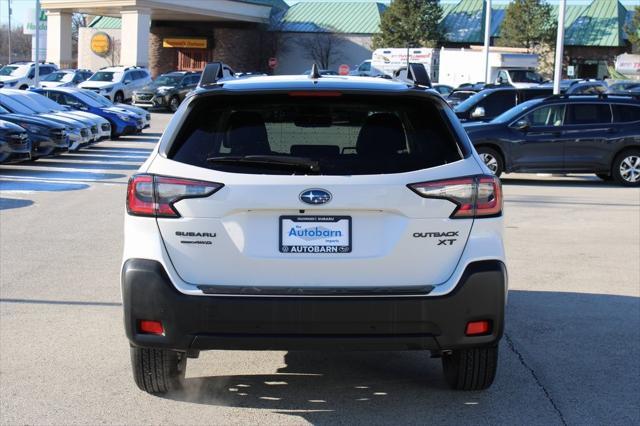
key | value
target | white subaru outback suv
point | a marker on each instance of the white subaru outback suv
(117, 83)
(311, 213)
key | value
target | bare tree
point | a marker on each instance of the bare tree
(322, 48)
(114, 54)
(273, 41)
(78, 20)
(20, 45)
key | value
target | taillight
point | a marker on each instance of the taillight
(149, 195)
(475, 196)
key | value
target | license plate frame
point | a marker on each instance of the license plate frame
(316, 248)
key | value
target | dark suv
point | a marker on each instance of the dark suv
(490, 103)
(565, 134)
(167, 91)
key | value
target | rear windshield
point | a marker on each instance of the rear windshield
(343, 135)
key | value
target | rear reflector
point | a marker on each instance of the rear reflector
(478, 328)
(151, 327)
(149, 195)
(475, 196)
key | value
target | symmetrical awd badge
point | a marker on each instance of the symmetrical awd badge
(315, 196)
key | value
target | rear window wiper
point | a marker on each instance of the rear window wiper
(278, 162)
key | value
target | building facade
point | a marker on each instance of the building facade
(166, 35)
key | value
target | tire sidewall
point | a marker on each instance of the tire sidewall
(615, 168)
(173, 99)
(495, 154)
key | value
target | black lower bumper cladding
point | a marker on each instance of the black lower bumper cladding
(304, 322)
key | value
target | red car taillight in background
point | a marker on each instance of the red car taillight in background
(476, 196)
(149, 195)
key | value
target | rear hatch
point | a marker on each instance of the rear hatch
(313, 191)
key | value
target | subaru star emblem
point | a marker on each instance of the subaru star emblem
(315, 196)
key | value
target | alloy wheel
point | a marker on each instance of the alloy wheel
(490, 161)
(630, 169)
(174, 103)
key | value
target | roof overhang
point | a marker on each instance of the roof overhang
(171, 10)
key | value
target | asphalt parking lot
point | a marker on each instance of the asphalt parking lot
(571, 354)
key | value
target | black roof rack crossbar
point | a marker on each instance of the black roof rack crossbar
(211, 74)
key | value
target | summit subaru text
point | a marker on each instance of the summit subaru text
(313, 213)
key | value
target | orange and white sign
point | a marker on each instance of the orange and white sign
(185, 43)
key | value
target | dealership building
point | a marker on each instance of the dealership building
(168, 34)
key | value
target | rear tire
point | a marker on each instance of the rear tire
(471, 369)
(158, 370)
(626, 168)
(174, 103)
(492, 159)
(118, 98)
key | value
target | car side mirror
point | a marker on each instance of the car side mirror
(521, 125)
(478, 112)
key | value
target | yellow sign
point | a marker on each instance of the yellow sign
(101, 44)
(190, 43)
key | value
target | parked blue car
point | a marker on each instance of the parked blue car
(122, 122)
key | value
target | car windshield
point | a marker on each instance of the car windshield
(280, 134)
(43, 102)
(522, 76)
(14, 106)
(168, 80)
(80, 95)
(33, 104)
(10, 70)
(98, 98)
(511, 114)
(460, 95)
(106, 76)
(63, 77)
(471, 101)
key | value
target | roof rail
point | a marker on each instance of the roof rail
(416, 74)
(597, 95)
(211, 74)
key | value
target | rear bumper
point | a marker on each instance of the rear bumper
(297, 323)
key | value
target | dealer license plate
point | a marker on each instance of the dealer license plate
(315, 234)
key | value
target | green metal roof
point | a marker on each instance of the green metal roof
(600, 24)
(336, 16)
(464, 23)
(105, 23)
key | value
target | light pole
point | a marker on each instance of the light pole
(487, 39)
(9, 38)
(557, 72)
(37, 70)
